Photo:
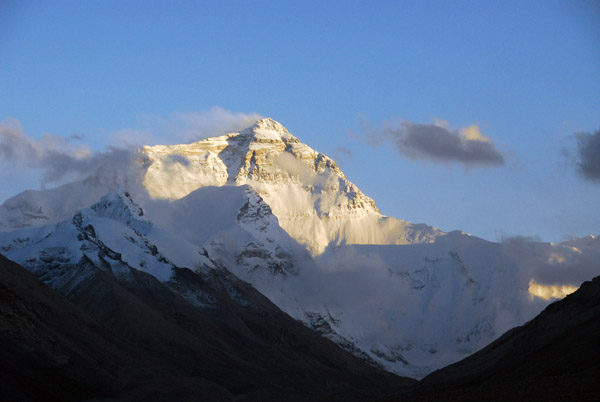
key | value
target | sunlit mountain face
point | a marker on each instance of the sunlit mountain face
(307, 192)
(263, 207)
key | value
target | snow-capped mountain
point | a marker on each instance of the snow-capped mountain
(112, 234)
(259, 203)
(307, 192)
(106, 330)
(35, 208)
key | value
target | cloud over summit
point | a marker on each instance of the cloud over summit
(184, 127)
(441, 144)
(588, 154)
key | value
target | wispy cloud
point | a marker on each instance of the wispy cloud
(588, 154)
(54, 156)
(185, 127)
(549, 292)
(212, 122)
(59, 159)
(439, 143)
(341, 154)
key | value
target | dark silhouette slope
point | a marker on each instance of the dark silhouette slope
(136, 339)
(50, 349)
(554, 357)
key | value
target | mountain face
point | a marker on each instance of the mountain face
(111, 331)
(307, 192)
(277, 214)
(36, 208)
(552, 357)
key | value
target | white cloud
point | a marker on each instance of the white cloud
(55, 157)
(472, 133)
(16, 146)
(185, 127)
(59, 160)
(548, 292)
(213, 122)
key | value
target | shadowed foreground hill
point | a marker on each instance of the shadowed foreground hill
(139, 340)
(554, 357)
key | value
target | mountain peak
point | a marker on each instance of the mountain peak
(118, 205)
(306, 191)
(269, 124)
(270, 130)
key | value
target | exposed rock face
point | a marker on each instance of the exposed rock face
(307, 192)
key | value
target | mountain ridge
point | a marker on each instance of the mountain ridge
(132, 337)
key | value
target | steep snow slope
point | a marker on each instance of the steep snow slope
(310, 196)
(234, 227)
(422, 306)
(113, 234)
(36, 208)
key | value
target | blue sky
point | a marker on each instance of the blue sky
(526, 73)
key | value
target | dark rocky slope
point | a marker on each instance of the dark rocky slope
(134, 338)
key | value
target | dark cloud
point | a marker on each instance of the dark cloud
(342, 153)
(77, 137)
(438, 143)
(588, 154)
(568, 263)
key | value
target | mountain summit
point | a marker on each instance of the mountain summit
(268, 128)
(308, 193)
